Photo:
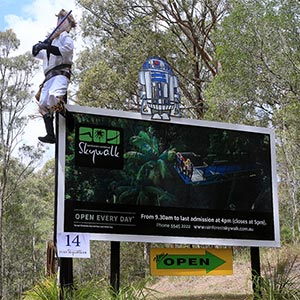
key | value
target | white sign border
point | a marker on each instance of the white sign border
(164, 239)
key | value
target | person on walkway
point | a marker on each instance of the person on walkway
(57, 55)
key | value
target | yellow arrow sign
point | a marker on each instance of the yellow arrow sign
(190, 261)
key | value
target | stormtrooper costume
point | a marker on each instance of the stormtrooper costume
(57, 56)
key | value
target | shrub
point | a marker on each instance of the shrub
(48, 289)
(280, 281)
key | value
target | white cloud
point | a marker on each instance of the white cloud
(37, 20)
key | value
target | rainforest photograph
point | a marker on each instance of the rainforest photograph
(170, 165)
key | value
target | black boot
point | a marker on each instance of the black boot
(50, 137)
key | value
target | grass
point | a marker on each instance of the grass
(280, 279)
(47, 289)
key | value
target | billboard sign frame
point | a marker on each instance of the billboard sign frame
(103, 137)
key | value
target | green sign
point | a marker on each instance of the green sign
(99, 146)
(191, 261)
(99, 135)
(208, 262)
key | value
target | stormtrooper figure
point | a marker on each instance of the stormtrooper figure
(57, 55)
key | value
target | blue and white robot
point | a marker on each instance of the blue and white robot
(159, 89)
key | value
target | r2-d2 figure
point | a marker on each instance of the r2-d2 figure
(159, 89)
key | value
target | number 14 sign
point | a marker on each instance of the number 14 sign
(73, 245)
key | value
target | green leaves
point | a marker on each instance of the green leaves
(125, 33)
(17, 163)
(257, 53)
(147, 167)
(258, 47)
(47, 289)
(280, 280)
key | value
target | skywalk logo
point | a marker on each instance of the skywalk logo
(99, 147)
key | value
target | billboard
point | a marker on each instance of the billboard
(125, 177)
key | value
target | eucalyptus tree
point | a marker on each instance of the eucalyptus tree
(28, 224)
(120, 35)
(258, 46)
(15, 76)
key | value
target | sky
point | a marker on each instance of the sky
(32, 20)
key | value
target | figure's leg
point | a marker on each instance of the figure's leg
(58, 94)
(53, 99)
(48, 121)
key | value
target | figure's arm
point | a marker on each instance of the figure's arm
(41, 45)
(46, 44)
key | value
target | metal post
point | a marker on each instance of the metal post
(115, 265)
(66, 272)
(255, 272)
(65, 264)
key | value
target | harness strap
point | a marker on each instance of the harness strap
(59, 67)
(58, 71)
(53, 73)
